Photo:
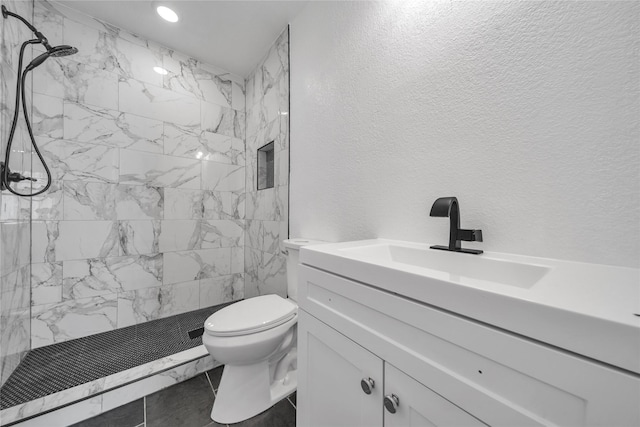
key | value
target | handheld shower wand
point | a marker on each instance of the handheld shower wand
(6, 176)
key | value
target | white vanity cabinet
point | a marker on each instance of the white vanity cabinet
(335, 369)
(334, 366)
(445, 369)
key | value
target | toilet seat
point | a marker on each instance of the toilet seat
(250, 316)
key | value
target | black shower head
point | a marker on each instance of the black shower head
(62, 50)
(55, 52)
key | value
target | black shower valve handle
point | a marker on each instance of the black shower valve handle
(17, 177)
(12, 177)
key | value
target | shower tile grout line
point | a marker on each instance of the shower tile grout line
(294, 406)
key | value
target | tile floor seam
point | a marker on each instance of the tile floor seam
(294, 406)
(144, 407)
(211, 384)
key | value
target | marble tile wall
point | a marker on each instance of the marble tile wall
(267, 107)
(146, 217)
(14, 211)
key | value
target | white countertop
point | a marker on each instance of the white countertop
(588, 309)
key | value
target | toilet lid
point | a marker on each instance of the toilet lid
(251, 315)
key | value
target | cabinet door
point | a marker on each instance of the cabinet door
(331, 368)
(418, 405)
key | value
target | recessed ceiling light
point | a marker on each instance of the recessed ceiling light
(167, 14)
(160, 70)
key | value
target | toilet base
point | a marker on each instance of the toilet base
(246, 391)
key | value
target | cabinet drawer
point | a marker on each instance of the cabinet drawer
(500, 378)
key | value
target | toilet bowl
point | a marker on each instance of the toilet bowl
(256, 341)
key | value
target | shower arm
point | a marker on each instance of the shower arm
(41, 38)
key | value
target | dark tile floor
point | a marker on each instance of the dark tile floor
(188, 404)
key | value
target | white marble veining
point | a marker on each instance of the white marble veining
(155, 102)
(70, 160)
(67, 240)
(106, 51)
(180, 235)
(148, 304)
(84, 123)
(266, 211)
(218, 119)
(51, 323)
(149, 181)
(154, 382)
(272, 275)
(219, 290)
(104, 276)
(89, 201)
(191, 142)
(47, 116)
(15, 289)
(112, 391)
(139, 237)
(158, 170)
(15, 231)
(196, 264)
(14, 252)
(186, 76)
(85, 409)
(14, 338)
(139, 202)
(237, 259)
(46, 283)
(88, 407)
(73, 81)
(222, 177)
(197, 204)
(48, 206)
(237, 97)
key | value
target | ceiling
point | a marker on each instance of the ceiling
(233, 35)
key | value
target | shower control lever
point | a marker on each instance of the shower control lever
(13, 176)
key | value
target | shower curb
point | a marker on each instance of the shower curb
(90, 399)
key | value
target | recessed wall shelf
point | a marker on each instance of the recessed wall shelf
(266, 166)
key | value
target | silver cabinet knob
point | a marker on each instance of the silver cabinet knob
(391, 403)
(367, 385)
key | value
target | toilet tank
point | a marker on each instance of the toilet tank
(293, 255)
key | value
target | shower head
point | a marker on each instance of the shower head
(62, 50)
(55, 52)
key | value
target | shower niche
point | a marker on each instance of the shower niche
(266, 166)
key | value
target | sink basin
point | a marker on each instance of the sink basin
(588, 309)
(456, 266)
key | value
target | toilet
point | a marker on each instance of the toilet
(256, 341)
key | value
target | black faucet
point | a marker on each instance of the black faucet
(448, 206)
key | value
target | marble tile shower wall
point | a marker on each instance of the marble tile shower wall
(267, 210)
(14, 211)
(146, 215)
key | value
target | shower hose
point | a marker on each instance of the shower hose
(7, 176)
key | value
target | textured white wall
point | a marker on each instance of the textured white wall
(528, 112)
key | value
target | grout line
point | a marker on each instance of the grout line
(294, 406)
(211, 384)
(144, 402)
